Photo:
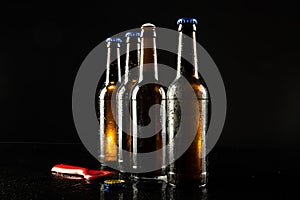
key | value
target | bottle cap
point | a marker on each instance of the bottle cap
(113, 184)
(187, 21)
(132, 34)
(114, 39)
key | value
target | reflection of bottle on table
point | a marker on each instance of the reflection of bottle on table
(174, 193)
(149, 190)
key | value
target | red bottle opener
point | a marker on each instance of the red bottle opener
(88, 174)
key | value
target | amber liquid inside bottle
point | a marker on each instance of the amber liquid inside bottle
(190, 168)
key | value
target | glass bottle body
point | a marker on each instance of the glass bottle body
(190, 167)
(108, 136)
(149, 132)
(124, 124)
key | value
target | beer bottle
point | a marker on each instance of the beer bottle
(148, 112)
(190, 167)
(123, 99)
(108, 131)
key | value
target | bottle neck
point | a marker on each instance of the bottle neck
(148, 68)
(133, 50)
(113, 69)
(187, 51)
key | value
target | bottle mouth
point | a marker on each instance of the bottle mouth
(148, 25)
(148, 30)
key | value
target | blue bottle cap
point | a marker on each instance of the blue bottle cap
(113, 39)
(113, 184)
(187, 21)
(132, 34)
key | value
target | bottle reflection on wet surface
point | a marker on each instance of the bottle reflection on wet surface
(154, 190)
(149, 190)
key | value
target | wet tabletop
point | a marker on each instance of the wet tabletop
(233, 174)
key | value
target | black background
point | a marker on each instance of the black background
(255, 46)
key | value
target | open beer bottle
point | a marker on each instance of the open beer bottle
(148, 113)
(190, 167)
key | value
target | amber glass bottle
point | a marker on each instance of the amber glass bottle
(148, 111)
(189, 168)
(123, 100)
(108, 131)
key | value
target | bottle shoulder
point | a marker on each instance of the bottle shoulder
(182, 87)
(125, 89)
(149, 90)
(107, 91)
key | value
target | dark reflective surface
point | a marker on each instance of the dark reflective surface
(233, 174)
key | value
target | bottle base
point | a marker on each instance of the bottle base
(141, 178)
(186, 180)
